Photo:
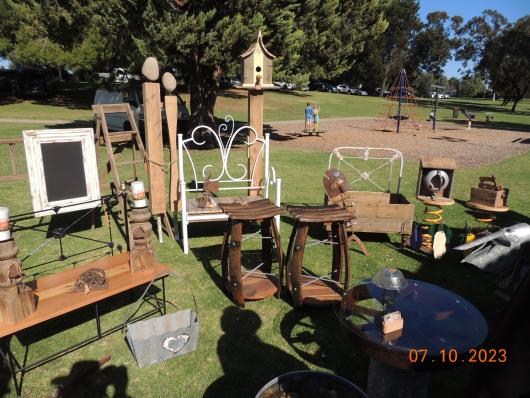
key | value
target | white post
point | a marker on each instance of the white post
(278, 201)
(266, 175)
(183, 197)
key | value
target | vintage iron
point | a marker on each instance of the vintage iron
(497, 252)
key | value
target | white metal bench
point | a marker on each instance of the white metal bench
(234, 177)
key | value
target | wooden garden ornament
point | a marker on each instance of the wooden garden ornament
(17, 300)
(256, 74)
(142, 255)
(171, 109)
(154, 139)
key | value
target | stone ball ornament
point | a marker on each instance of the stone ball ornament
(169, 82)
(150, 69)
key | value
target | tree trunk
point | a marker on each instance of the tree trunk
(203, 95)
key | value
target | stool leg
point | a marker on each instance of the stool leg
(279, 251)
(234, 265)
(289, 254)
(294, 268)
(344, 244)
(338, 252)
(224, 251)
(359, 243)
(266, 245)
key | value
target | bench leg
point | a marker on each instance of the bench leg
(185, 244)
(7, 356)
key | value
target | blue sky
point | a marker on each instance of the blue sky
(467, 9)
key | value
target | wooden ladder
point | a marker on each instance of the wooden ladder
(122, 139)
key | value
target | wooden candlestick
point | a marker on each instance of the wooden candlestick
(142, 255)
(17, 300)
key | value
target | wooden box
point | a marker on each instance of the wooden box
(488, 197)
(428, 164)
(378, 212)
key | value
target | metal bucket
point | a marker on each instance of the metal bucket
(155, 340)
(310, 384)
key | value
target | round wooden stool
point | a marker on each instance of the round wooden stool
(259, 283)
(308, 289)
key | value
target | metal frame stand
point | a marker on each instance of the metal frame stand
(15, 367)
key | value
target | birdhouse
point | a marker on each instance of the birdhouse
(256, 66)
(435, 180)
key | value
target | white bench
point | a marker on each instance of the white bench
(233, 148)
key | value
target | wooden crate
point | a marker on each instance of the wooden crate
(488, 197)
(378, 212)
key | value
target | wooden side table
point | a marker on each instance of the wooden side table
(258, 283)
(308, 289)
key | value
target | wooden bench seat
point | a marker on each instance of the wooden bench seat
(55, 296)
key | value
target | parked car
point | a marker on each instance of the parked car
(440, 95)
(227, 82)
(132, 94)
(40, 82)
(284, 85)
(330, 88)
(357, 91)
(344, 89)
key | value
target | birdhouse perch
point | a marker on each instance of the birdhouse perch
(256, 66)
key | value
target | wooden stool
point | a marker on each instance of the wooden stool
(258, 283)
(311, 290)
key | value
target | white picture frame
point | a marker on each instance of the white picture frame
(86, 196)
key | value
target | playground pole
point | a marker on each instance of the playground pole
(435, 109)
(400, 99)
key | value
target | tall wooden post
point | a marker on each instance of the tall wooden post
(255, 119)
(153, 134)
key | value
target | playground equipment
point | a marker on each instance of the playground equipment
(400, 105)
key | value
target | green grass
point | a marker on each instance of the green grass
(74, 100)
(240, 350)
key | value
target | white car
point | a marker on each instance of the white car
(133, 96)
(440, 95)
(345, 89)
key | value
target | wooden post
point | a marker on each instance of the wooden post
(171, 107)
(255, 119)
(155, 150)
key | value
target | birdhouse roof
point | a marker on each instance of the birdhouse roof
(257, 41)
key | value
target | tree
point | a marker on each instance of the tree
(474, 34)
(383, 57)
(205, 38)
(506, 57)
(431, 47)
(471, 86)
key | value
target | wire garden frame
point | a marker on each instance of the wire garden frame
(355, 159)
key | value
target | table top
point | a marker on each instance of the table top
(320, 214)
(435, 319)
(55, 297)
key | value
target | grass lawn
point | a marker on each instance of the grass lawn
(74, 100)
(240, 350)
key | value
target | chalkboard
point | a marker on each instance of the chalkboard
(64, 171)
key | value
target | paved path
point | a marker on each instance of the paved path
(38, 121)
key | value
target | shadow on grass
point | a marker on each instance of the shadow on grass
(294, 93)
(317, 336)
(88, 379)
(5, 380)
(248, 362)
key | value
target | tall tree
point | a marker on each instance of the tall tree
(507, 60)
(205, 38)
(474, 34)
(431, 47)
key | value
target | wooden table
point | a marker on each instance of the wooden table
(55, 298)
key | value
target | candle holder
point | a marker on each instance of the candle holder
(142, 255)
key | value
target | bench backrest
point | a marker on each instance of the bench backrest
(230, 165)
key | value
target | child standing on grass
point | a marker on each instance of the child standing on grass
(308, 117)
(316, 117)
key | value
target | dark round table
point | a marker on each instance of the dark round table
(441, 329)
